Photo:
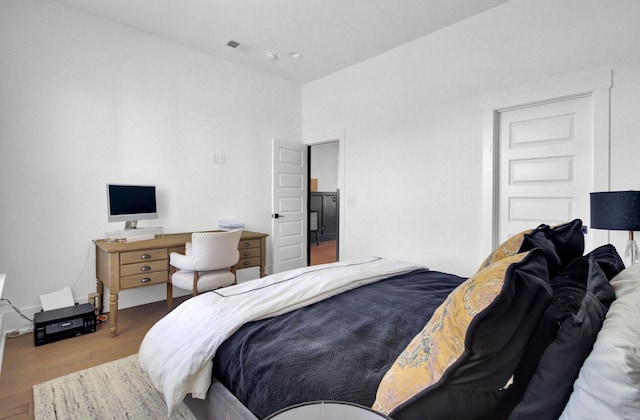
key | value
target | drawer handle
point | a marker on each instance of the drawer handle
(246, 263)
(246, 254)
(145, 268)
(145, 280)
(145, 256)
(245, 244)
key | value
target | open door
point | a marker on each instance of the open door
(288, 205)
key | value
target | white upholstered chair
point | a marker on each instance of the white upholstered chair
(207, 262)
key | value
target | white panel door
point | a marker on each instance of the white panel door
(289, 205)
(546, 165)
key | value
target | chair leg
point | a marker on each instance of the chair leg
(172, 270)
(195, 283)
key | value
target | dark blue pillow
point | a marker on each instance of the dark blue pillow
(608, 259)
(561, 244)
(563, 339)
(568, 240)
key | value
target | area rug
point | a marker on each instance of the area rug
(114, 390)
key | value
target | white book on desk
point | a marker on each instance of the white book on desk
(137, 238)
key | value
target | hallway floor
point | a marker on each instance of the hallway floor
(323, 253)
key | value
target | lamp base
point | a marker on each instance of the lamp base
(631, 253)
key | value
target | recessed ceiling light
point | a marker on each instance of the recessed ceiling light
(271, 56)
(295, 54)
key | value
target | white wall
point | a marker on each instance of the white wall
(413, 120)
(83, 102)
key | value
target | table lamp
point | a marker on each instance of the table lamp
(618, 210)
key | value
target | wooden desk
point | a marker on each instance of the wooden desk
(143, 263)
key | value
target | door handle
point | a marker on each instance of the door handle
(277, 215)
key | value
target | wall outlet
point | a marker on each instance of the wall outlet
(94, 300)
(218, 159)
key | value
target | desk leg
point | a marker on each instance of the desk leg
(263, 256)
(113, 314)
(100, 292)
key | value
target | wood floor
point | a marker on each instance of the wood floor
(324, 252)
(25, 365)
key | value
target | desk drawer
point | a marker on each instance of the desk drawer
(248, 262)
(249, 243)
(248, 253)
(144, 279)
(142, 256)
(144, 267)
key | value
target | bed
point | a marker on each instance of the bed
(540, 331)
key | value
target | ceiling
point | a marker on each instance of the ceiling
(329, 35)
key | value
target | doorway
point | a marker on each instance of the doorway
(324, 203)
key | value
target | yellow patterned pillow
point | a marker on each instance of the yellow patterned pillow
(442, 341)
(508, 248)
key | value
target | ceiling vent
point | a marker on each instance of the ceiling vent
(238, 46)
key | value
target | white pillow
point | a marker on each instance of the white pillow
(608, 385)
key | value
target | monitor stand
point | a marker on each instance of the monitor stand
(130, 224)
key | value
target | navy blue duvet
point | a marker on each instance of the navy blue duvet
(337, 349)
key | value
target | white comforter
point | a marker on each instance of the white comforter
(177, 351)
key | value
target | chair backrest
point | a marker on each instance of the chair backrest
(215, 250)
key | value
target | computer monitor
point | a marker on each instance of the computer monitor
(130, 203)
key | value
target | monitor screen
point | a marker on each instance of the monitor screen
(127, 203)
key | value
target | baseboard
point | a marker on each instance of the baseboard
(12, 321)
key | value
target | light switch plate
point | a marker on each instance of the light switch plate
(2, 279)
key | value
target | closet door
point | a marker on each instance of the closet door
(546, 164)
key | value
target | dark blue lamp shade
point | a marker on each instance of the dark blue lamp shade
(618, 210)
(615, 210)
